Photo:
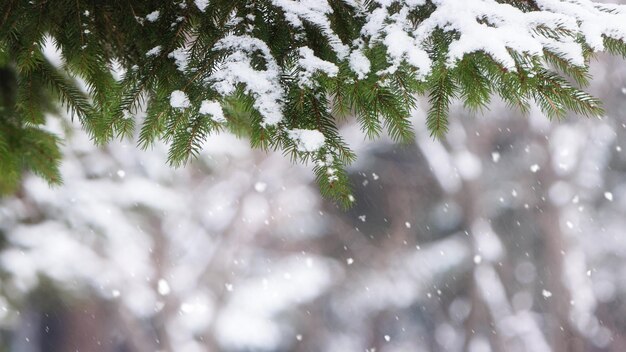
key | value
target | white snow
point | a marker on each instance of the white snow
(181, 58)
(213, 108)
(534, 168)
(594, 20)
(360, 64)
(403, 47)
(202, 4)
(153, 16)
(154, 51)
(493, 28)
(315, 12)
(307, 140)
(179, 100)
(608, 196)
(310, 64)
(263, 85)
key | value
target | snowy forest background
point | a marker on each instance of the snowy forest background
(507, 235)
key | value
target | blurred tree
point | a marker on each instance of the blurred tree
(283, 72)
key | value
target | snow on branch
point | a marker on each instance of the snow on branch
(315, 12)
(263, 85)
(595, 21)
(263, 69)
(494, 28)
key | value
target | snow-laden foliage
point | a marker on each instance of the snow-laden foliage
(279, 66)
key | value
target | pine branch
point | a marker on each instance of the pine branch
(10, 175)
(615, 47)
(41, 154)
(70, 96)
(187, 143)
(556, 96)
(474, 86)
(442, 91)
(365, 60)
(579, 74)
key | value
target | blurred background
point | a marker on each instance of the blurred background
(507, 235)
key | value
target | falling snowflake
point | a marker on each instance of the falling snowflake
(260, 187)
(163, 287)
